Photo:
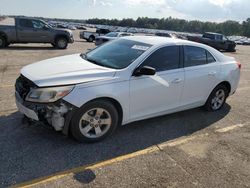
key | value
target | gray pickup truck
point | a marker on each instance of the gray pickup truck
(28, 30)
(215, 40)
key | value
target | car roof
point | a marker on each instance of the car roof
(157, 40)
(213, 33)
(160, 41)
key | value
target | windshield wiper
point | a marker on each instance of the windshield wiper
(83, 55)
(93, 61)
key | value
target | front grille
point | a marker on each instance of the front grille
(23, 86)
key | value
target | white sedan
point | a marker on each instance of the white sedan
(126, 80)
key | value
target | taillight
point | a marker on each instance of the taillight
(239, 65)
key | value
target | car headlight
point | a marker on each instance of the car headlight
(47, 95)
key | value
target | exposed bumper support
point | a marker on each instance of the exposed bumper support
(58, 114)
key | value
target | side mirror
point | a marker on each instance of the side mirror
(145, 70)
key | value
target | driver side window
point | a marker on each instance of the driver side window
(37, 24)
(166, 58)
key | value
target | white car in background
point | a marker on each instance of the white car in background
(128, 79)
(110, 36)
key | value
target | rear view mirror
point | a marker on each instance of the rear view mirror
(145, 70)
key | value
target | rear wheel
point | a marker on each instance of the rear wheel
(91, 39)
(61, 43)
(94, 121)
(217, 98)
(3, 42)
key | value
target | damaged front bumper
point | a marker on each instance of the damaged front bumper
(57, 114)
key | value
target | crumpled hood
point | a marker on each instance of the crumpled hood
(65, 70)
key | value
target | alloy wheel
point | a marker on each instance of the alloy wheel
(95, 123)
(218, 99)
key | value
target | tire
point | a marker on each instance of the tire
(231, 48)
(217, 98)
(3, 42)
(91, 39)
(61, 43)
(87, 121)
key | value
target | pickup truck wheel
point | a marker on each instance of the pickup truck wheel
(61, 43)
(231, 48)
(2, 42)
(94, 121)
(91, 39)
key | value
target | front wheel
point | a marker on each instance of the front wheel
(94, 121)
(217, 98)
(61, 43)
(91, 39)
(231, 48)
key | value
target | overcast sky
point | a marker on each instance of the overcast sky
(205, 10)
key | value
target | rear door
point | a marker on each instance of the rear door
(24, 30)
(152, 95)
(201, 75)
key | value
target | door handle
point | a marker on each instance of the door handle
(211, 73)
(176, 81)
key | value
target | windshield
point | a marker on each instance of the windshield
(117, 54)
(112, 34)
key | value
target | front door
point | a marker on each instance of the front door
(154, 95)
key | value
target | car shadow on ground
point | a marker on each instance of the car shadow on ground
(29, 48)
(28, 152)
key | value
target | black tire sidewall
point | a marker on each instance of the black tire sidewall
(208, 104)
(74, 127)
(3, 42)
(91, 39)
(57, 41)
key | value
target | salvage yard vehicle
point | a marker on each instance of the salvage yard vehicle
(29, 30)
(125, 80)
(91, 36)
(215, 40)
(111, 36)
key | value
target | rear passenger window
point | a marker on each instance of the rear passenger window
(26, 23)
(195, 56)
(210, 58)
(166, 58)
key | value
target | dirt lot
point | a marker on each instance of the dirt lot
(187, 149)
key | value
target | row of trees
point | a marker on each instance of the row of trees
(227, 27)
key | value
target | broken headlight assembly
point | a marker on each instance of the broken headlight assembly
(48, 95)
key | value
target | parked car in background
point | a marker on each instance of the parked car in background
(71, 27)
(215, 40)
(91, 36)
(168, 35)
(125, 80)
(110, 36)
(29, 30)
(80, 27)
